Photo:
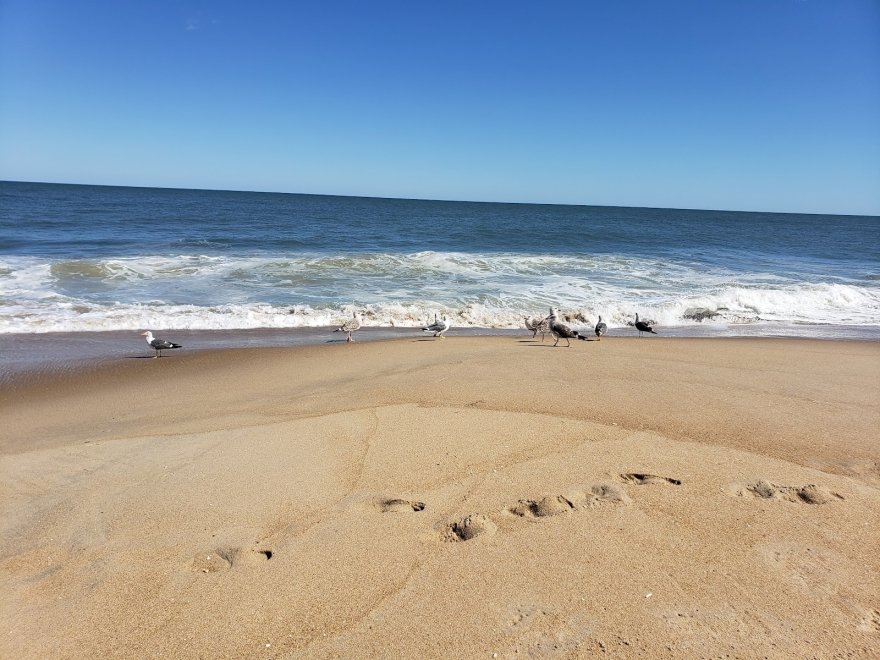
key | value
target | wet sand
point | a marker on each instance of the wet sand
(464, 497)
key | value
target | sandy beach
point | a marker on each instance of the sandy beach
(460, 498)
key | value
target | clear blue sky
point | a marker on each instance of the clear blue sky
(725, 104)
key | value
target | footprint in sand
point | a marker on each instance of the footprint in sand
(552, 505)
(696, 627)
(765, 490)
(534, 631)
(641, 479)
(222, 559)
(810, 567)
(870, 623)
(476, 524)
(469, 527)
(400, 506)
(602, 494)
(213, 561)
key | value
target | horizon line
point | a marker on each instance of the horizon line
(445, 201)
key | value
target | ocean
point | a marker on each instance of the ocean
(87, 259)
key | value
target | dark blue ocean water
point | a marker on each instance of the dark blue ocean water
(80, 258)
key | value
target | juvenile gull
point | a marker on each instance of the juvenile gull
(536, 325)
(438, 327)
(642, 326)
(600, 329)
(158, 344)
(350, 326)
(560, 330)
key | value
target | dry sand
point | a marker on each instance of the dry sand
(470, 497)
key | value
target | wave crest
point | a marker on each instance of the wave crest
(475, 290)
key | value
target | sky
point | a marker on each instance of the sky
(762, 105)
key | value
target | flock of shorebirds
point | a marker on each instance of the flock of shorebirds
(437, 328)
(559, 330)
(552, 325)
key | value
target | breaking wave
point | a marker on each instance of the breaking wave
(475, 290)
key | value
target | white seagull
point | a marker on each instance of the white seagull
(158, 344)
(600, 329)
(560, 330)
(438, 327)
(643, 326)
(350, 326)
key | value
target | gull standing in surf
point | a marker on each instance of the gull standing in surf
(600, 329)
(438, 327)
(560, 330)
(159, 345)
(643, 326)
(350, 326)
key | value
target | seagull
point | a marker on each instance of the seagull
(350, 326)
(438, 327)
(158, 344)
(560, 330)
(600, 329)
(643, 326)
(537, 325)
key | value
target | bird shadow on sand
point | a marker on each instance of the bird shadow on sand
(531, 343)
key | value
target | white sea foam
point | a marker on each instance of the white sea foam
(476, 290)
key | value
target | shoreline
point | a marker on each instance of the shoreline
(56, 353)
(670, 497)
